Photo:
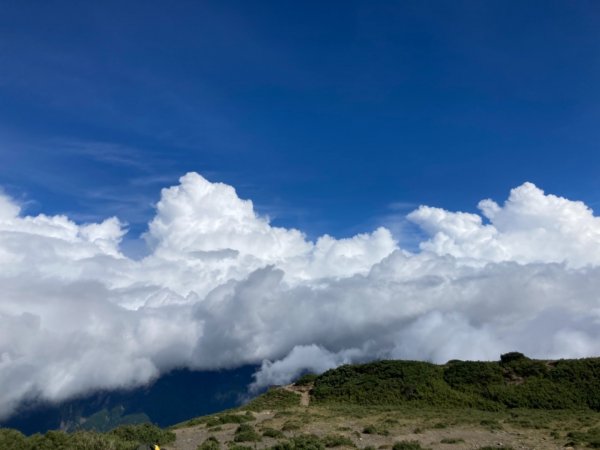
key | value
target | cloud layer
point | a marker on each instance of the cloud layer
(221, 287)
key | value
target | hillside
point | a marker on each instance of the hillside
(513, 382)
(512, 403)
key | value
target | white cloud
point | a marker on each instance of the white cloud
(529, 227)
(221, 287)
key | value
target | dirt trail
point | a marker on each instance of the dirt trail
(303, 391)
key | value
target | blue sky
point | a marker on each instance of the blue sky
(333, 117)
(330, 116)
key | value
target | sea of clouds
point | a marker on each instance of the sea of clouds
(221, 288)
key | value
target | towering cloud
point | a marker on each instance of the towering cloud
(221, 287)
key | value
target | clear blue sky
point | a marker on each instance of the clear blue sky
(324, 113)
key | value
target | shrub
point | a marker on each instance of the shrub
(307, 442)
(283, 446)
(272, 433)
(337, 440)
(11, 439)
(372, 429)
(212, 443)
(143, 433)
(451, 441)
(407, 445)
(246, 433)
(510, 357)
(491, 424)
(290, 425)
(306, 379)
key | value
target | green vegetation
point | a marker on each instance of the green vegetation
(215, 422)
(246, 433)
(230, 418)
(127, 437)
(514, 382)
(337, 440)
(407, 445)
(291, 425)
(302, 442)
(143, 433)
(307, 442)
(274, 399)
(239, 447)
(212, 443)
(558, 401)
(591, 437)
(306, 379)
(272, 433)
(372, 429)
(452, 441)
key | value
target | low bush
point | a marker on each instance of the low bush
(452, 441)
(306, 379)
(407, 445)
(212, 443)
(246, 433)
(307, 442)
(337, 440)
(272, 433)
(290, 425)
(143, 433)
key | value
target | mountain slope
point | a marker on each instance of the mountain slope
(513, 403)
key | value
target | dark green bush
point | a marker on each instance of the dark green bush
(514, 382)
(143, 433)
(246, 433)
(473, 375)
(306, 379)
(510, 357)
(272, 433)
(285, 445)
(407, 445)
(11, 439)
(452, 441)
(307, 442)
(239, 447)
(291, 425)
(337, 440)
(212, 443)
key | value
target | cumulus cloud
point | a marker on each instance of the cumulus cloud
(530, 227)
(222, 287)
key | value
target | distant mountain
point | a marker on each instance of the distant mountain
(173, 398)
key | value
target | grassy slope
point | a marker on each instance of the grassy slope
(514, 382)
